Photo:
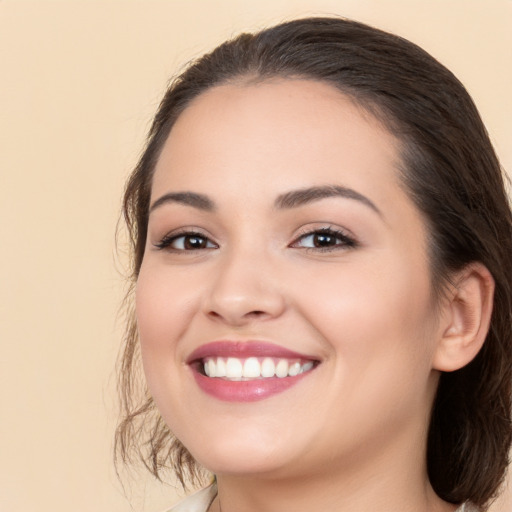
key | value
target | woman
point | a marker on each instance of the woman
(321, 266)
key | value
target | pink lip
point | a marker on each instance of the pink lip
(243, 349)
(249, 390)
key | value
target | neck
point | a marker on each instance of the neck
(328, 496)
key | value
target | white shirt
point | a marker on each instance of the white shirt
(198, 502)
(201, 500)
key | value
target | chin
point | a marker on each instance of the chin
(235, 455)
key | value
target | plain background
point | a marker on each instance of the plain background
(79, 82)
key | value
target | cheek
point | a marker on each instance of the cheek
(163, 312)
(164, 303)
(378, 314)
(379, 331)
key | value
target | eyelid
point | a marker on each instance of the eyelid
(348, 240)
(165, 242)
(345, 239)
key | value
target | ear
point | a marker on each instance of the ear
(466, 318)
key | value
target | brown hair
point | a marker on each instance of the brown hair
(454, 177)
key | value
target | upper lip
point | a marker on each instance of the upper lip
(244, 349)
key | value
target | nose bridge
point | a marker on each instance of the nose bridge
(245, 286)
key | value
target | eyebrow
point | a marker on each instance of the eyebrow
(304, 196)
(199, 201)
(288, 200)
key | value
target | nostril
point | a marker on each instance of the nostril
(233, 318)
(255, 313)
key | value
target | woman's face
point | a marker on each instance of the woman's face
(280, 240)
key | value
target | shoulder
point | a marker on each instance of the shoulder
(197, 502)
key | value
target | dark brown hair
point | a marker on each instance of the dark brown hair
(452, 173)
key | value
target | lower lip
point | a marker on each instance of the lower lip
(245, 390)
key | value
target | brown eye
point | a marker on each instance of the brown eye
(324, 239)
(192, 242)
(186, 242)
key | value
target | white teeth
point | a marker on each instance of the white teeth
(221, 368)
(233, 368)
(282, 368)
(251, 368)
(294, 369)
(306, 367)
(268, 368)
(236, 369)
(212, 367)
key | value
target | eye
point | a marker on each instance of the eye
(325, 239)
(188, 241)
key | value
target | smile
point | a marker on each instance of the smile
(236, 369)
(247, 371)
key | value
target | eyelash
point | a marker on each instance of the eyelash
(168, 240)
(347, 242)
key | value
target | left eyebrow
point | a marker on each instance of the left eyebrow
(303, 196)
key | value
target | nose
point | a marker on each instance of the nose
(244, 289)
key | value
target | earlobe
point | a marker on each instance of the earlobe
(467, 314)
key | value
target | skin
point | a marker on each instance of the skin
(351, 435)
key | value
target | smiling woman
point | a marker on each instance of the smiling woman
(321, 243)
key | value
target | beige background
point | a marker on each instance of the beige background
(79, 82)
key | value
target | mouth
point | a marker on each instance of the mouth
(247, 371)
(236, 369)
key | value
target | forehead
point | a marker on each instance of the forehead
(282, 132)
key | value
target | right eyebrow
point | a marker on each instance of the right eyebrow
(193, 199)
